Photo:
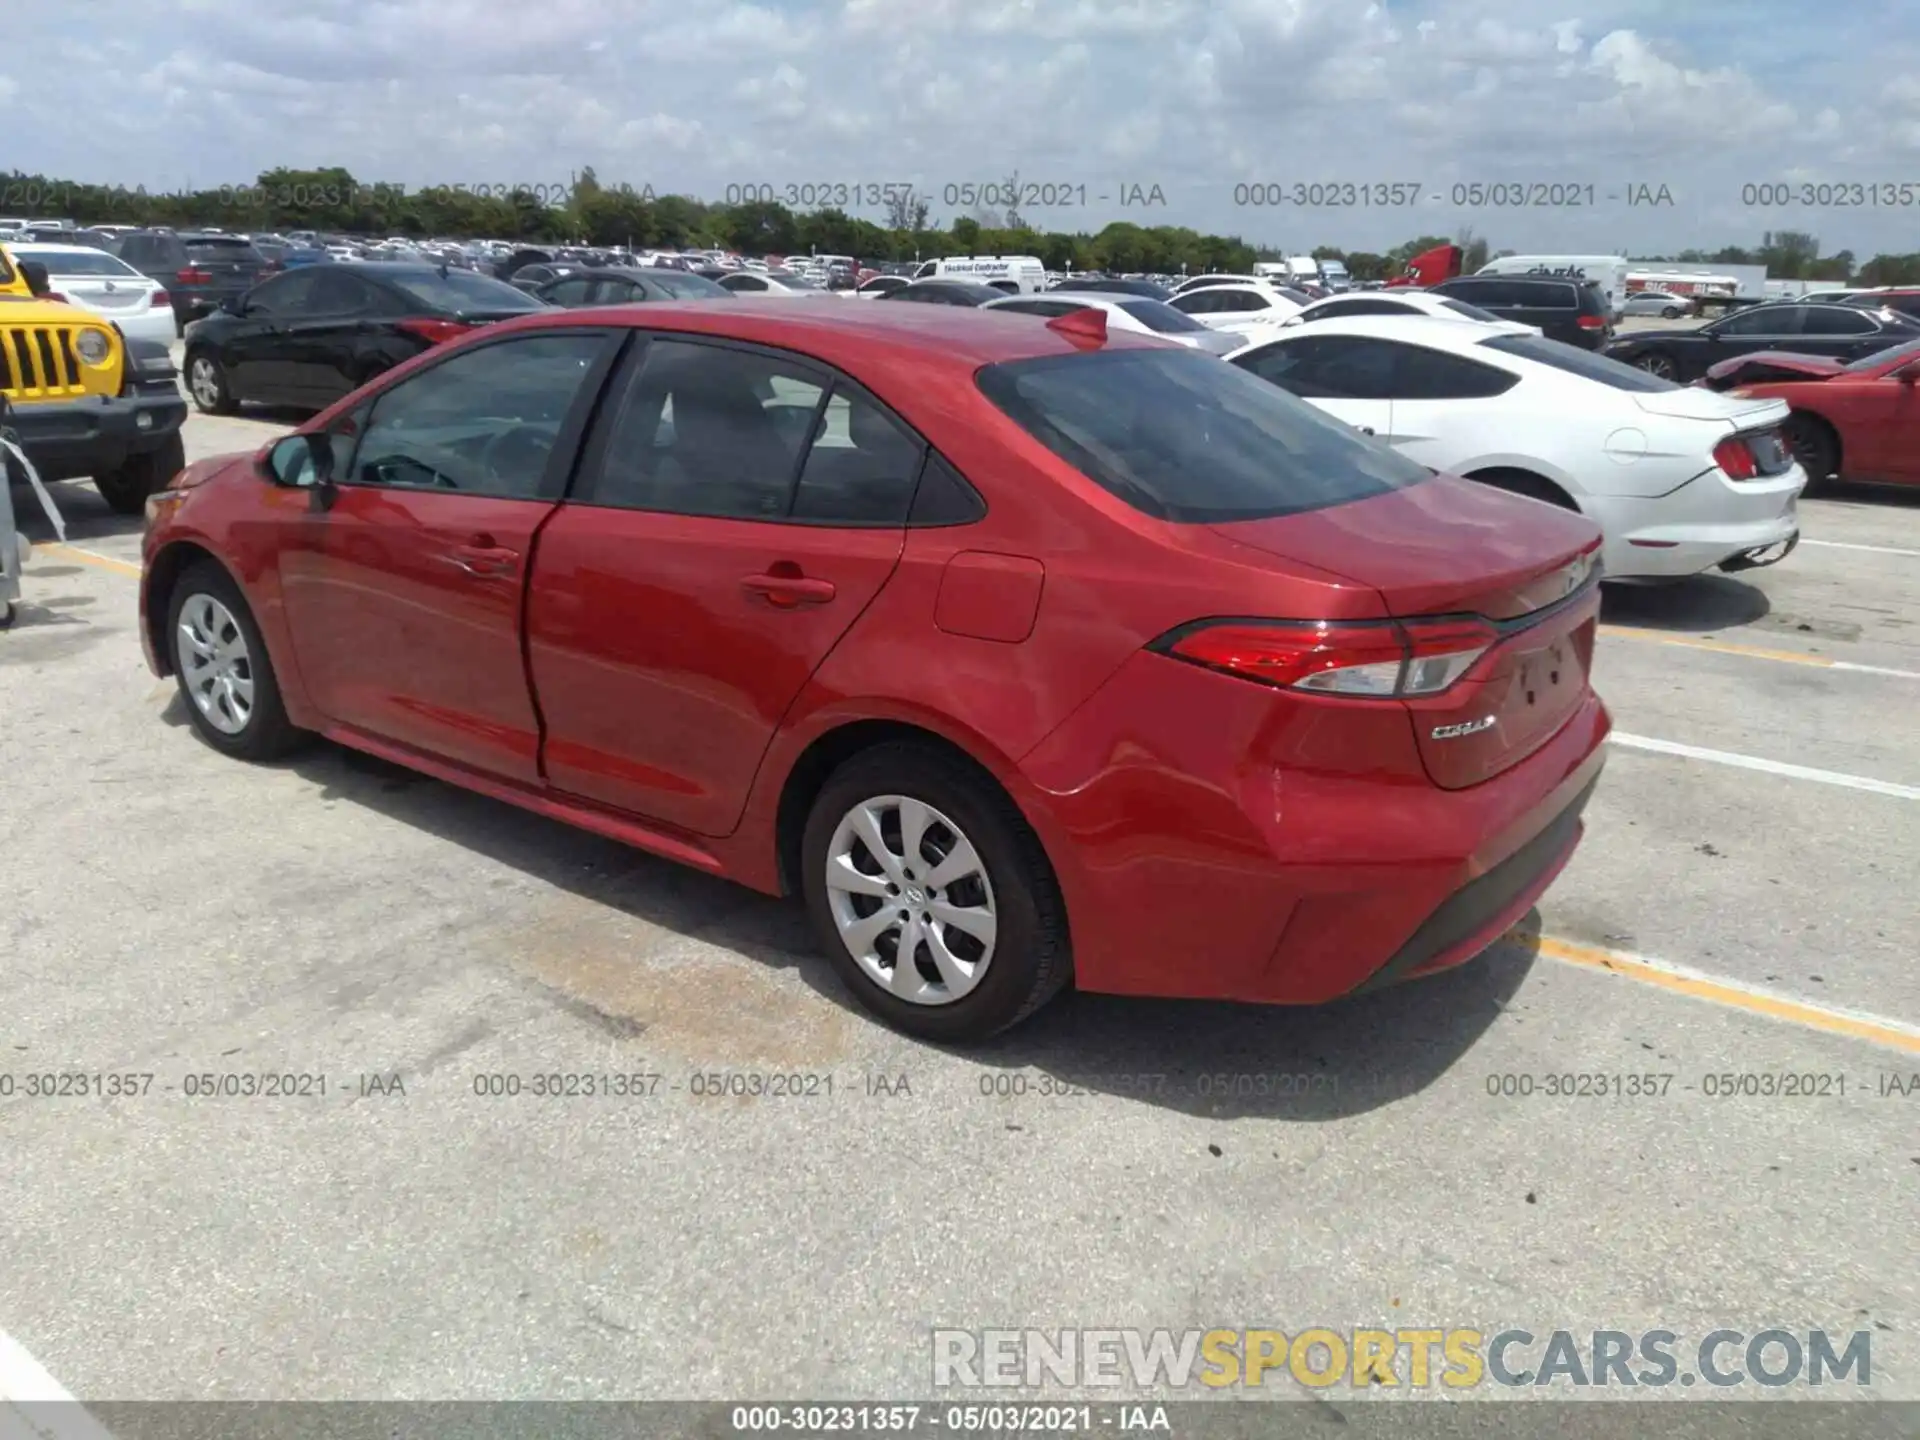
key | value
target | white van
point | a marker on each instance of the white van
(1606, 272)
(1334, 276)
(1024, 273)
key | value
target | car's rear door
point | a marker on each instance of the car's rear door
(325, 345)
(404, 596)
(1841, 332)
(711, 557)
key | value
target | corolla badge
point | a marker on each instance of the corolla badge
(1470, 727)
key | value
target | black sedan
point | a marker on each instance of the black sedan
(1145, 289)
(945, 292)
(1842, 332)
(313, 334)
(628, 285)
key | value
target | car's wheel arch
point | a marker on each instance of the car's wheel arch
(1525, 475)
(834, 742)
(163, 573)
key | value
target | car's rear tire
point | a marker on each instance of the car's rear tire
(977, 890)
(1816, 446)
(1659, 364)
(207, 384)
(224, 672)
(126, 490)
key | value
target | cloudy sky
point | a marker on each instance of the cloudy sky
(1087, 98)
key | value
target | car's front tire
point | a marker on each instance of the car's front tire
(221, 664)
(207, 384)
(1671, 312)
(126, 490)
(932, 896)
(1815, 445)
(1658, 364)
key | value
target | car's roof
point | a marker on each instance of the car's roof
(967, 337)
(1432, 331)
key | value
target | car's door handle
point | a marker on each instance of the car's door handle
(790, 589)
(480, 556)
(1364, 429)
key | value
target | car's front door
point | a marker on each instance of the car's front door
(1348, 376)
(1765, 327)
(404, 596)
(320, 341)
(712, 556)
(253, 350)
(1881, 422)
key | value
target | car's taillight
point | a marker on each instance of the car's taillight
(160, 298)
(1372, 660)
(1736, 459)
(433, 331)
(1592, 322)
(191, 276)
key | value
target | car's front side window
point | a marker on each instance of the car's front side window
(479, 423)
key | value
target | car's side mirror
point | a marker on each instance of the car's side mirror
(35, 274)
(234, 305)
(1908, 374)
(303, 462)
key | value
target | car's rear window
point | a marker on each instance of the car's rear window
(79, 262)
(1163, 319)
(1584, 363)
(1466, 311)
(213, 247)
(1182, 437)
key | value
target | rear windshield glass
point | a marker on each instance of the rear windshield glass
(1583, 363)
(78, 262)
(1182, 437)
(215, 248)
(1162, 318)
(462, 291)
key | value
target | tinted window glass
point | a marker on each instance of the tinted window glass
(462, 292)
(570, 292)
(704, 430)
(1159, 318)
(1326, 367)
(1423, 374)
(1822, 320)
(1040, 307)
(687, 287)
(1180, 436)
(482, 423)
(337, 293)
(1466, 311)
(1340, 309)
(1197, 302)
(1234, 301)
(743, 282)
(284, 295)
(1764, 320)
(1583, 363)
(862, 467)
(77, 262)
(1493, 294)
(223, 250)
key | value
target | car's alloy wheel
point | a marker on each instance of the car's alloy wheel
(931, 895)
(911, 899)
(208, 385)
(1660, 366)
(216, 667)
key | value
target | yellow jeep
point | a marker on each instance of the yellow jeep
(80, 398)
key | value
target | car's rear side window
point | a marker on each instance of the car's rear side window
(1182, 437)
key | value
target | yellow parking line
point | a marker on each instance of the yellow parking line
(1874, 1029)
(1725, 647)
(87, 557)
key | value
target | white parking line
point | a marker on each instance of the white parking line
(54, 1414)
(1876, 549)
(1770, 767)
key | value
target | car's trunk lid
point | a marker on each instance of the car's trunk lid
(1453, 548)
(106, 294)
(1692, 402)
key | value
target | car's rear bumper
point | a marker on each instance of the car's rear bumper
(1191, 868)
(1703, 524)
(96, 435)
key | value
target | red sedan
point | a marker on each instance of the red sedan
(1855, 421)
(1024, 652)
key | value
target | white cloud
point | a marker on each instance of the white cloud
(1193, 95)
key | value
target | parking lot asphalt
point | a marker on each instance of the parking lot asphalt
(1744, 905)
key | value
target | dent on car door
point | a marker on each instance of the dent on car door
(737, 511)
(404, 595)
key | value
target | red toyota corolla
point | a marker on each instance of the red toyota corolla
(1025, 652)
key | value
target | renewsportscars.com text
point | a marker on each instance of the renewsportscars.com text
(1451, 1359)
